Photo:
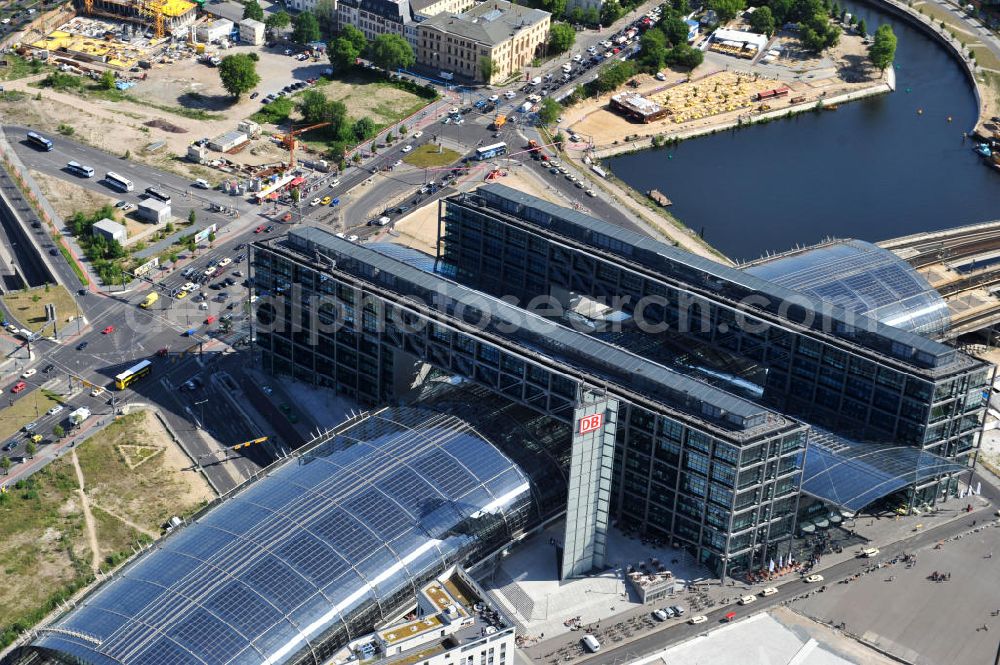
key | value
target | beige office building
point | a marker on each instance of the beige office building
(509, 35)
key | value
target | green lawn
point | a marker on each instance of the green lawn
(430, 155)
(18, 68)
(28, 306)
(25, 410)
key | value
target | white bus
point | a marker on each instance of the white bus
(79, 169)
(119, 182)
(491, 151)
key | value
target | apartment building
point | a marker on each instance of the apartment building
(507, 35)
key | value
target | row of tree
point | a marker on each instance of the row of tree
(666, 43)
(387, 51)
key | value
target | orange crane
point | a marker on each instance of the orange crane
(288, 140)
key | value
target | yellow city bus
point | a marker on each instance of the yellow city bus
(123, 380)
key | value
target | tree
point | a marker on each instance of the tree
(305, 28)
(58, 431)
(549, 111)
(192, 216)
(313, 106)
(684, 55)
(762, 21)
(781, 9)
(356, 37)
(591, 16)
(30, 449)
(279, 20)
(252, 10)
(883, 48)
(326, 16)
(611, 12)
(556, 7)
(342, 52)
(486, 68)
(819, 34)
(682, 7)
(238, 74)
(363, 128)
(612, 77)
(862, 28)
(561, 37)
(391, 51)
(727, 9)
(675, 29)
(653, 52)
(107, 81)
(5, 464)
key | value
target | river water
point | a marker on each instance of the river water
(873, 169)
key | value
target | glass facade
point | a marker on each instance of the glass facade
(543, 366)
(326, 546)
(862, 278)
(828, 366)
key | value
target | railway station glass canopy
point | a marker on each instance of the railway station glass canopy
(851, 475)
(862, 278)
(316, 552)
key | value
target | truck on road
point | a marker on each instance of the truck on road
(77, 417)
(150, 299)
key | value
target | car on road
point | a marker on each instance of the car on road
(254, 95)
(660, 76)
(268, 228)
(48, 368)
(259, 229)
(814, 578)
(494, 98)
(591, 192)
(870, 552)
(28, 373)
(267, 390)
(695, 620)
(769, 591)
(108, 330)
(407, 148)
(326, 200)
(121, 204)
(18, 387)
(54, 410)
(53, 251)
(30, 427)
(746, 600)
(36, 438)
(315, 201)
(127, 207)
(510, 94)
(10, 445)
(81, 346)
(225, 261)
(399, 162)
(446, 121)
(416, 135)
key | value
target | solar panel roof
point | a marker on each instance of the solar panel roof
(262, 574)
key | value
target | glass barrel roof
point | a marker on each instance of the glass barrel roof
(352, 524)
(851, 475)
(862, 278)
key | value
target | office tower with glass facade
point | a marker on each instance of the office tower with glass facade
(814, 354)
(717, 473)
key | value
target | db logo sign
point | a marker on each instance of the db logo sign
(591, 423)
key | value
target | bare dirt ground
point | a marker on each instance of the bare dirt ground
(68, 198)
(46, 539)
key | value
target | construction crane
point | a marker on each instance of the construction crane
(154, 10)
(288, 140)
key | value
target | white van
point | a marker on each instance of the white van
(591, 644)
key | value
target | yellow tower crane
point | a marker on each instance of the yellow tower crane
(153, 9)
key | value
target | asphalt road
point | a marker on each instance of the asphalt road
(787, 592)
